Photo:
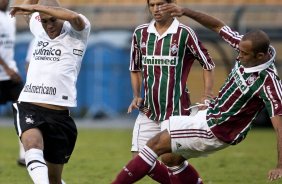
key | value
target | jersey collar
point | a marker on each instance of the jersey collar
(264, 65)
(171, 30)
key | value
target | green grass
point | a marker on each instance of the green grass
(101, 153)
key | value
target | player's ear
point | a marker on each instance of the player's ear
(260, 55)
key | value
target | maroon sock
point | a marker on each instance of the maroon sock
(160, 173)
(137, 168)
(184, 176)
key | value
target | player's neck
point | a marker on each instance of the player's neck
(162, 27)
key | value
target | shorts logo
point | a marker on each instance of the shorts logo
(29, 120)
(178, 145)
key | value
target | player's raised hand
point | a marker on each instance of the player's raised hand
(172, 8)
(275, 174)
(21, 10)
(205, 100)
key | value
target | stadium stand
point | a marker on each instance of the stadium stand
(134, 2)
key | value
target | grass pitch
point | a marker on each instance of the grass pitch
(101, 153)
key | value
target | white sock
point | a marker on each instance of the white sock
(36, 166)
(178, 169)
(22, 152)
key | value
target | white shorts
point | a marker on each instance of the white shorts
(191, 137)
(144, 129)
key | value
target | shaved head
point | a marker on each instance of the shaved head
(260, 40)
(49, 3)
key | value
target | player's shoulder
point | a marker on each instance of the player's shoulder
(141, 27)
(186, 28)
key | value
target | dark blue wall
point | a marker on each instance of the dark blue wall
(104, 87)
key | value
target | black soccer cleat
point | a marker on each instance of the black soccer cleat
(21, 162)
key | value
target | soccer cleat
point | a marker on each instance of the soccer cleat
(21, 162)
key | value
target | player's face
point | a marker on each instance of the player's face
(154, 10)
(51, 25)
(247, 56)
(4, 5)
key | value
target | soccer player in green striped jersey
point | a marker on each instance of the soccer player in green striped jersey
(162, 54)
(252, 85)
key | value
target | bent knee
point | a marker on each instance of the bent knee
(160, 143)
(171, 160)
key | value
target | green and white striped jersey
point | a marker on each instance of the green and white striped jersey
(165, 61)
(244, 94)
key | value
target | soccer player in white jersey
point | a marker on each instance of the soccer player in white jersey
(252, 85)
(42, 117)
(162, 54)
(10, 79)
(29, 53)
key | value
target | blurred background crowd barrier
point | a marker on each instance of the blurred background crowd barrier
(104, 88)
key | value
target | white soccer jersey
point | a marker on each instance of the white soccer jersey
(55, 64)
(29, 50)
(7, 42)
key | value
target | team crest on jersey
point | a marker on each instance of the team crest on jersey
(174, 48)
(251, 79)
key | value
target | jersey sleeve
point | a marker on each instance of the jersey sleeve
(231, 37)
(30, 50)
(272, 95)
(135, 55)
(83, 34)
(199, 51)
(35, 24)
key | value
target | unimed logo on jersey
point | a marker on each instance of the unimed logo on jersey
(160, 60)
(241, 83)
(44, 52)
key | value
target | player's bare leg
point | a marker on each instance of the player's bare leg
(55, 173)
(33, 143)
(21, 160)
(143, 163)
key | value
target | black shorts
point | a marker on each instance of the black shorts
(57, 127)
(10, 91)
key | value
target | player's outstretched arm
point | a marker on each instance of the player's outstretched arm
(18, 11)
(75, 20)
(277, 172)
(206, 20)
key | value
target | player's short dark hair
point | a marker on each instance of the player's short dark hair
(260, 40)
